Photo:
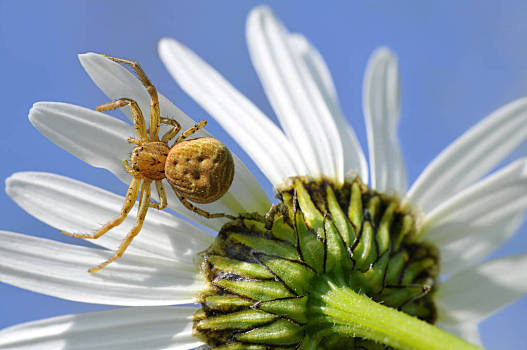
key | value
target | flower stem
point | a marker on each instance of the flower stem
(355, 315)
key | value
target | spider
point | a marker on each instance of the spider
(200, 170)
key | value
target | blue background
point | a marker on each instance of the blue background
(458, 62)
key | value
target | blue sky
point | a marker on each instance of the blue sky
(458, 62)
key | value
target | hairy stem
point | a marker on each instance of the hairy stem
(355, 315)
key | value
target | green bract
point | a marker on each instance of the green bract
(272, 279)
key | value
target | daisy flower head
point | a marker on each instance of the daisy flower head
(342, 233)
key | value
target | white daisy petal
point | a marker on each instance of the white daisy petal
(74, 206)
(468, 331)
(246, 193)
(381, 110)
(471, 156)
(291, 90)
(164, 327)
(260, 137)
(495, 197)
(477, 220)
(354, 159)
(61, 270)
(96, 138)
(478, 291)
(116, 81)
(465, 243)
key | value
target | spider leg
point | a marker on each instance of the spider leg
(129, 201)
(129, 169)
(162, 196)
(192, 130)
(155, 114)
(202, 212)
(134, 141)
(170, 134)
(141, 214)
(137, 115)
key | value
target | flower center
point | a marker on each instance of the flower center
(271, 280)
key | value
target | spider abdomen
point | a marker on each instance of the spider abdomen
(201, 169)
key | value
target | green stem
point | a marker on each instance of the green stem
(355, 315)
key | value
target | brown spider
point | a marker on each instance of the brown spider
(200, 170)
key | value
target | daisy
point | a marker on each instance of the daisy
(160, 269)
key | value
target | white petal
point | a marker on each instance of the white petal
(60, 270)
(495, 197)
(164, 327)
(116, 81)
(381, 110)
(98, 139)
(354, 159)
(101, 141)
(245, 194)
(471, 156)
(475, 222)
(260, 137)
(294, 96)
(74, 206)
(468, 242)
(478, 291)
(468, 331)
